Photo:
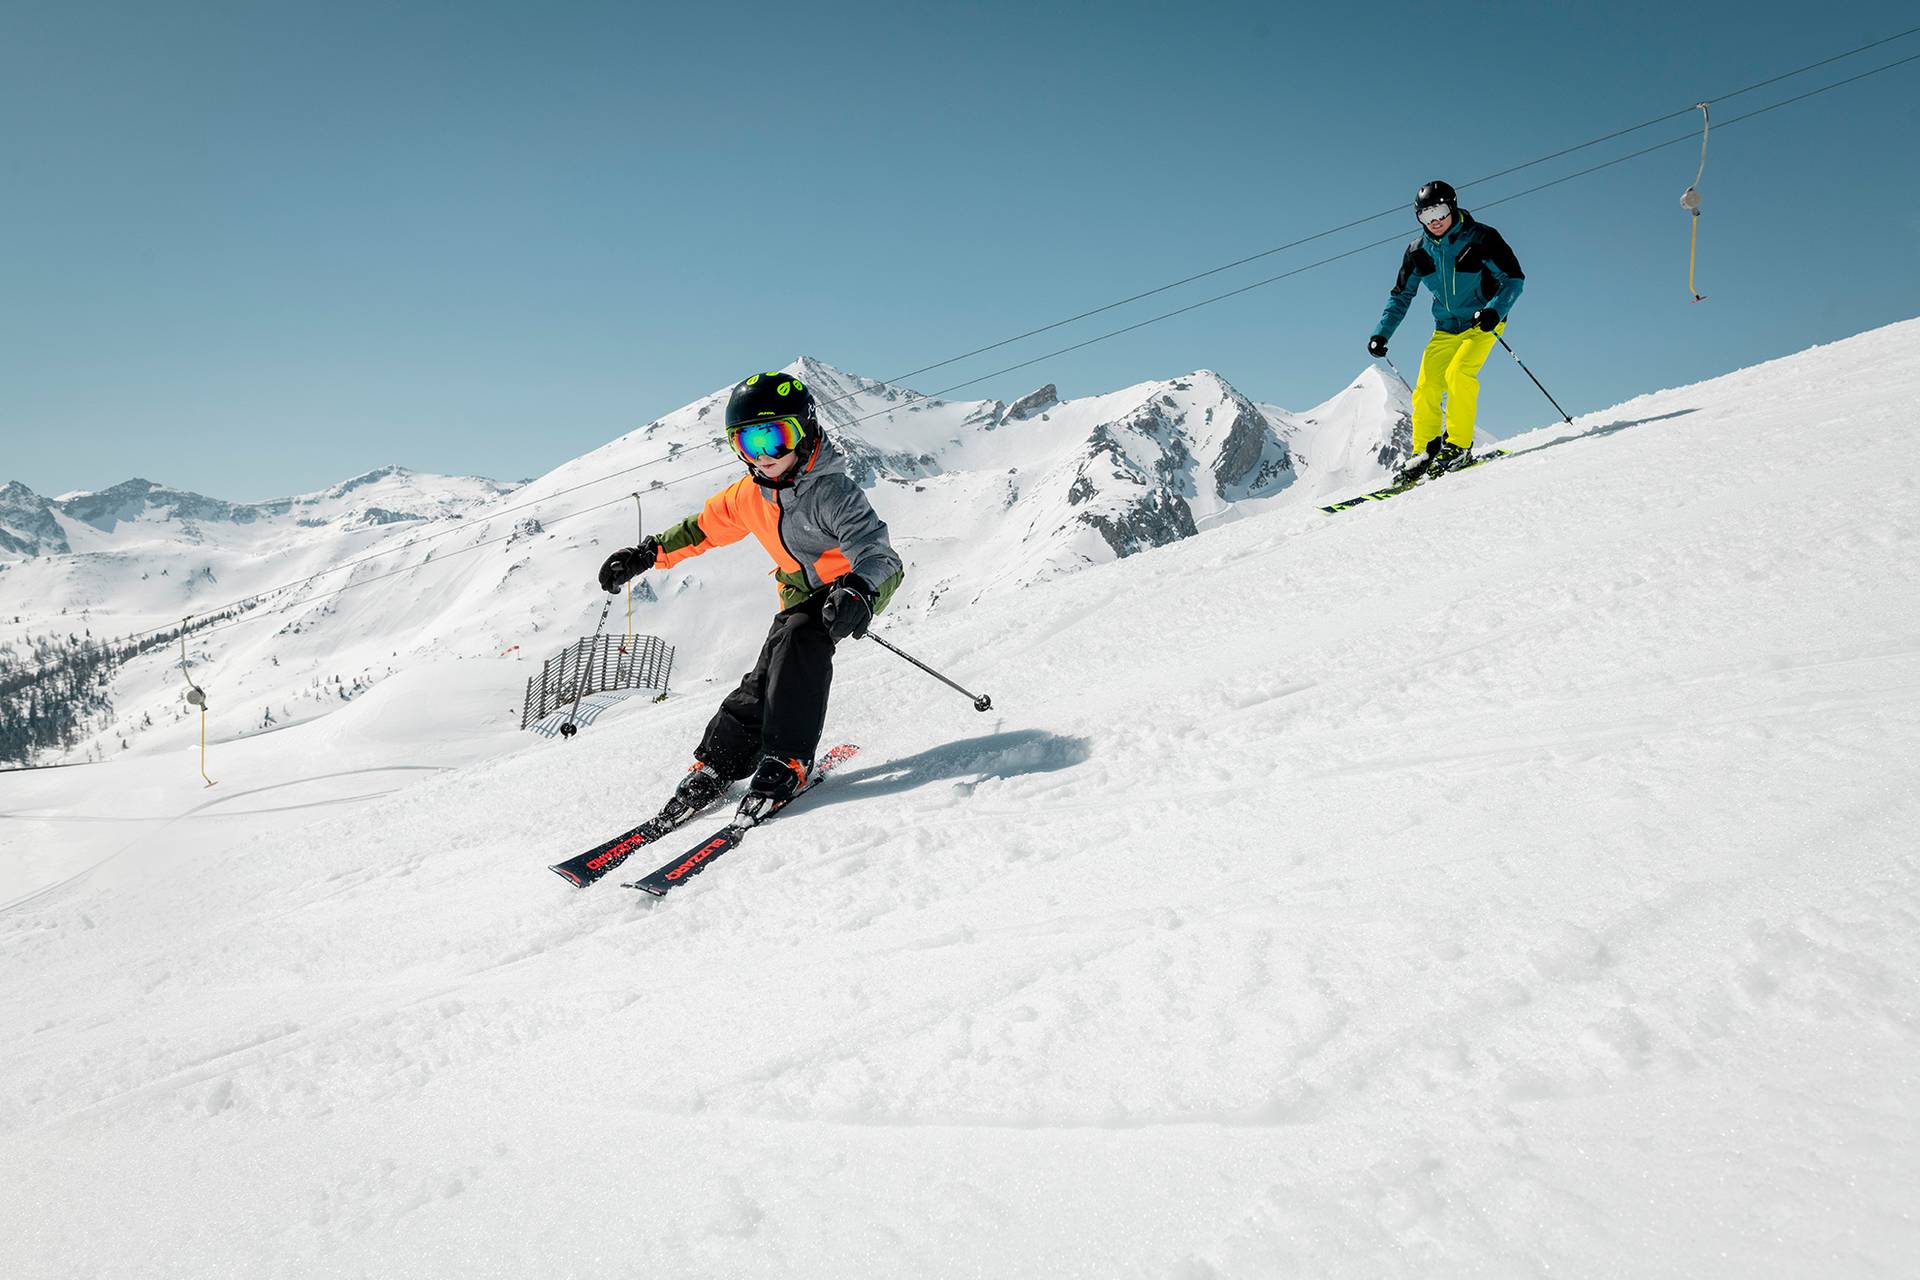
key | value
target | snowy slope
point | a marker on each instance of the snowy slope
(1550, 909)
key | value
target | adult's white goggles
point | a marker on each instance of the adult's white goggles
(1435, 212)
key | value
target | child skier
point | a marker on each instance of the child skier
(836, 569)
(1475, 279)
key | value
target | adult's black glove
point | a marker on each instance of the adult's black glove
(627, 563)
(849, 607)
(1486, 318)
(1376, 346)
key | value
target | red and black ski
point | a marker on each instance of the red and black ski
(584, 869)
(695, 860)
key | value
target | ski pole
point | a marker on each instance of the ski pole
(568, 729)
(981, 702)
(1536, 382)
(1398, 374)
(640, 522)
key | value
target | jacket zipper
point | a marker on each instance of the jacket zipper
(780, 532)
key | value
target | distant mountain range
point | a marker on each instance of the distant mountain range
(32, 525)
(982, 497)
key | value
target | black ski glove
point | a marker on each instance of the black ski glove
(626, 563)
(849, 607)
(1376, 346)
(1486, 318)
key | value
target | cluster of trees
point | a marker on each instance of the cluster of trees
(52, 690)
(55, 690)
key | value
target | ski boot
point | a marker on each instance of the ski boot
(699, 788)
(774, 783)
(1419, 464)
(1452, 457)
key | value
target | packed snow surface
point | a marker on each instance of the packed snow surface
(1513, 878)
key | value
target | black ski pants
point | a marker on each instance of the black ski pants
(780, 708)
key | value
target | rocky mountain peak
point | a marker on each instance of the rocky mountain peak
(1034, 403)
(27, 523)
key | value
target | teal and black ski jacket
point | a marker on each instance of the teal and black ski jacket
(1466, 269)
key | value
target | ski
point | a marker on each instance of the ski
(584, 869)
(695, 860)
(1376, 496)
(1380, 495)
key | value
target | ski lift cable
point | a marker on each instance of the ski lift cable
(1195, 306)
(1392, 239)
(1374, 217)
(1167, 315)
(1120, 303)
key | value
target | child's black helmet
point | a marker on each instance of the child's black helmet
(771, 395)
(770, 415)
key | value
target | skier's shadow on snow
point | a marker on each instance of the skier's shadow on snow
(970, 762)
(1605, 429)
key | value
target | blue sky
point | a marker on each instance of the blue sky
(252, 248)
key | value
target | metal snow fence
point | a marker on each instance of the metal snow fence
(595, 665)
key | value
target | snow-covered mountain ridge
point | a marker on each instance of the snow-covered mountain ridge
(984, 497)
(31, 525)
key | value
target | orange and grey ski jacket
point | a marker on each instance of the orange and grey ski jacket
(817, 525)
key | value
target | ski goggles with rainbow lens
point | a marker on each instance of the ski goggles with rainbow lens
(774, 438)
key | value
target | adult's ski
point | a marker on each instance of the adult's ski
(695, 860)
(1380, 495)
(584, 869)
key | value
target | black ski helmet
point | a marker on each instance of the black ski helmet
(1435, 192)
(764, 397)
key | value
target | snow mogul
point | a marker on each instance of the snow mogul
(835, 567)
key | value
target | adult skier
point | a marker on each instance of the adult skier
(1475, 279)
(835, 568)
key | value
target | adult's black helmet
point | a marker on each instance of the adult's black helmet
(780, 405)
(1433, 193)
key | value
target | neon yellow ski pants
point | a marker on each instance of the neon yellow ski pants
(1450, 369)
